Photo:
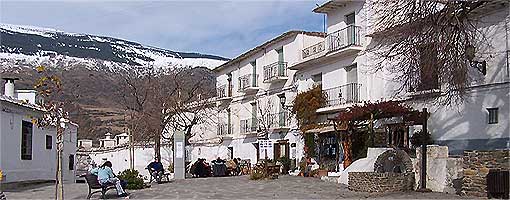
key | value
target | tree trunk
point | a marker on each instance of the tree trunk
(157, 147)
(347, 151)
(59, 193)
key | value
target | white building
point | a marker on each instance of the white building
(121, 139)
(28, 152)
(252, 105)
(343, 69)
(107, 142)
(86, 144)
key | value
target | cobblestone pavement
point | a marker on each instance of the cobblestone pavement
(286, 187)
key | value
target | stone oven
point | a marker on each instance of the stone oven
(393, 171)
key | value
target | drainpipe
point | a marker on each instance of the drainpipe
(507, 21)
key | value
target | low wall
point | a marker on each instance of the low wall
(477, 165)
(380, 182)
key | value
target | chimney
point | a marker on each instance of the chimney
(9, 87)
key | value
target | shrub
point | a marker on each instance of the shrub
(417, 139)
(133, 178)
(256, 175)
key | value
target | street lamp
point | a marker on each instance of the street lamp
(481, 66)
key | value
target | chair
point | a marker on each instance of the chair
(93, 184)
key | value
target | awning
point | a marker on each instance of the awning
(325, 129)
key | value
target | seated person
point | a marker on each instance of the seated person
(156, 169)
(105, 176)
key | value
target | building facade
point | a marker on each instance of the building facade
(345, 72)
(253, 103)
(27, 151)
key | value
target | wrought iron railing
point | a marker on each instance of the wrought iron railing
(248, 125)
(248, 80)
(224, 91)
(225, 129)
(348, 93)
(278, 120)
(314, 49)
(275, 70)
(342, 38)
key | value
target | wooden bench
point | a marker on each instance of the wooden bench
(93, 184)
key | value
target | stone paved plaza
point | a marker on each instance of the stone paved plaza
(286, 187)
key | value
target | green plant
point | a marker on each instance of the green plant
(310, 145)
(418, 139)
(305, 104)
(171, 168)
(256, 175)
(133, 178)
(314, 173)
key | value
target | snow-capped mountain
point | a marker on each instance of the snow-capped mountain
(85, 64)
(34, 45)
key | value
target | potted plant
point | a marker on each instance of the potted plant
(323, 170)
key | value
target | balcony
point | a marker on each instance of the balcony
(314, 49)
(224, 93)
(346, 37)
(248, 83)
(278, 121)
(338, 97)
(275, 72)
(249, 126)
(225, 130)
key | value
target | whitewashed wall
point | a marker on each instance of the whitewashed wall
(143, 156)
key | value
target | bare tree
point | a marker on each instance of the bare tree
(427, 44)
(162, 100)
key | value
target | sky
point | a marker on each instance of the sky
(224, 28)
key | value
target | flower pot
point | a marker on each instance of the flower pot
(322, 172)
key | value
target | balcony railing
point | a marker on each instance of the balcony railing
(342, 38)
(224, 129)
(249, 125)
(278, 120)
(248, 81)
(275, 71)
(314, 49)
(223, 91)
(348, 93)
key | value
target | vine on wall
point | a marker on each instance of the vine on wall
(304, 108)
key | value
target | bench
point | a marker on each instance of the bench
(93, 184)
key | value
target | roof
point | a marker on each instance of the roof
(255, 50)
(331, 6)
(18, 102)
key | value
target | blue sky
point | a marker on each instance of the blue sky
(225, 28)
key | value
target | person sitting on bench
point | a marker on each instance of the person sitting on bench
(105, 176)
(156, 169)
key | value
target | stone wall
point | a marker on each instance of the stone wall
(444, 173)
(380, 182)
(477, 165)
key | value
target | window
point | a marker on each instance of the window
(317, 78)
(428, 68)
(71, 162)
(26, 140)
(493, 115)
(49, 142)
(350, 19)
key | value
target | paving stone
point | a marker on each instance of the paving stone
(286, 187)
